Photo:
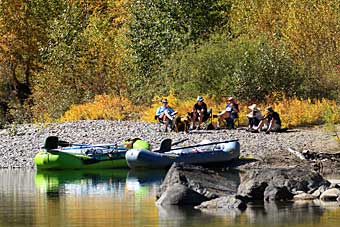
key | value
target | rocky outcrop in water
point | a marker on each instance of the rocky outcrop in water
(279, 184)
(196, 182)
(193, 185)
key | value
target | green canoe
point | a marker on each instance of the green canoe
(66, 159)
(61, 155)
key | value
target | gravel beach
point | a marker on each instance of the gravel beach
(20, 143)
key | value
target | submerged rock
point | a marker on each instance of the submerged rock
(330, 194)
(305, 196)
(224, 203)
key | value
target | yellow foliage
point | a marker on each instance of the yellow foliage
(103, 107)
(293, 112)
(297, 112)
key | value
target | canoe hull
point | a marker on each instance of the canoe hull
(63, 160)
(141, 158)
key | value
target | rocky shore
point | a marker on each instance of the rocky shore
(19, 143)
(211, 192)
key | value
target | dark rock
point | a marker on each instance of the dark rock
(179, 194)
(205, 182)
(272, 193)
(255, 183)
(224, 203)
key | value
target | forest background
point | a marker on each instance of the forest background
(115, 59)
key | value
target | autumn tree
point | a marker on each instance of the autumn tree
(309, 30)
(84, 58)
(23, 33)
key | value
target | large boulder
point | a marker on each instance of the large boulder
(179, 194)
(279, 184)
(272, 193)
(193, 180)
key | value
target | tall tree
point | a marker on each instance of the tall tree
(158, 28)
(23, 26)
(309, 30)
(84, 58)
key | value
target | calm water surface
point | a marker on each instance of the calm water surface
(127, 198)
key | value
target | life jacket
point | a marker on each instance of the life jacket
(141, 144)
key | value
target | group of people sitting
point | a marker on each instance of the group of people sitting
(256, 122)
(200, 113)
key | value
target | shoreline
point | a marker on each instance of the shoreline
(20, 144)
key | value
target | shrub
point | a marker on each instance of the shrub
(103, 107)
(294, 112)
(247, 68)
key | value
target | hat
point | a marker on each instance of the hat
(164, 101)
(230, 98)
(269, 109)
(253, 107)
(200, 98)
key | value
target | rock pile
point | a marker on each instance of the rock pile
(207, 190)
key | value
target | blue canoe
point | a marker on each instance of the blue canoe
(208, 153)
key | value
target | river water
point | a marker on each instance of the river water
(127, 198)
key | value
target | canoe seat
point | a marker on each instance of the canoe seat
(165, 146)
(51, 142)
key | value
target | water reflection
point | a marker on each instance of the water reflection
(127, 198)
(81, 183)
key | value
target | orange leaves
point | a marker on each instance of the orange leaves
(293, 111)
(103, 107)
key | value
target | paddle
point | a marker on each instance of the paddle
(202, 145)
(52, 142)
(180, 141)
(68, 144)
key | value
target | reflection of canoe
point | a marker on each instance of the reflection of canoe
(77, 157)
(209, 153)
(55, 180)
(146, 176)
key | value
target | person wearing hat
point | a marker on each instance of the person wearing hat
(230, 113)
(165, 114)
(273, 121)
(199, 112)
(254, 117)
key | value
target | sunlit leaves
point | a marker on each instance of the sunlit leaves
(309, 30)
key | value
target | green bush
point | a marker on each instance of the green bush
(250, 69)
(159, 28)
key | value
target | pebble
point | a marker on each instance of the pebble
(19, 143)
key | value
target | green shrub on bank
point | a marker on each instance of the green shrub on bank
(249, 69)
